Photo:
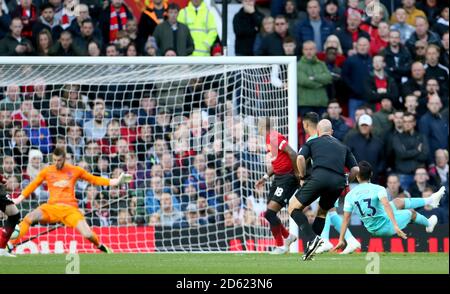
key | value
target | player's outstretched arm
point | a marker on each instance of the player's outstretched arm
(101, 181)
(30, 188)
(390, 213)
(344, 226)
(122, 179)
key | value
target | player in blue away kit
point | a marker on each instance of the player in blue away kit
(381, 217)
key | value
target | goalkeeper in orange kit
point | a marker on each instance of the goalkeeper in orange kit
(62, 206)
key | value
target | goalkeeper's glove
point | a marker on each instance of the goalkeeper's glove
(125, 178)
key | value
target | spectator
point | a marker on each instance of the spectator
(144, 142)
(441, 25)
(435, 70)
(428, 211)
(35, 165)
(433, 88)
(19, 148)
(81, 12)
(156, 11)
(172, 34)
(246, 24)
(313, 77)
(431, 8)
(383, 120)
(365, 146)
(439, 170)
(394, 190)
(135, 168)
(405, 29)
(398, 60)
(124, 218)
(371, 25)
(340, 125)
(65, 46)
(95, 129)
(92, 152)
(5, 128)
(234, 205)
(381, 40)
(333, 13)
(128, 128)
(410, 149)
(350, 35)
(314, 28)
(411, 105)
(154, 194)
(94, 49)
(411, 13)
(169, 214)
(75, 141)
(422, 33)
(420, 51)
(13, 44)
(47, 21)
(292, 15)
(111, 50)
(86, 36)
(206, 213)
(9, 167)
(28, 13)
(249, 217)
(197, 17)
(267, 27)
(39, 135)
(355, 71)
(77, 103)
(272, 44)
(379, 85)
(421, 179)
(434, 127)
(44, 43)
(147, 111)
(5, 20)
(156, 152)
(21, 117)
(12, 98)
(192, 218)
(416, 85)
(334, 43)
(113, 19)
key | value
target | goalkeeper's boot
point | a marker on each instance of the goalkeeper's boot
(4, 252)
(105, 249)
(9, 247)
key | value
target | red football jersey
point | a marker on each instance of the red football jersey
(276, 144)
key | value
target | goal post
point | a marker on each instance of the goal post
(185, 127)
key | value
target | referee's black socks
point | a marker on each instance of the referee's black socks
(302, 222)
(318, 224)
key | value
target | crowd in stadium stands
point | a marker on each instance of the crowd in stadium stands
(381, 80)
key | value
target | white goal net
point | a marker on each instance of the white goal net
(185, 128)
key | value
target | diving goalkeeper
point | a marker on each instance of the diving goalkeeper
(62, 206)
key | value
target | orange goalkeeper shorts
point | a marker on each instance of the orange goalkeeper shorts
(60, 213)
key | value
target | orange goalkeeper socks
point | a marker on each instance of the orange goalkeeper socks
(94, 239)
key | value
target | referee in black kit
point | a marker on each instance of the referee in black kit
(329, 159)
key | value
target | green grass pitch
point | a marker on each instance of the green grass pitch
(390, 263)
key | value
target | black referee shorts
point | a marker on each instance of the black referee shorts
(282, 189)
(323, 183)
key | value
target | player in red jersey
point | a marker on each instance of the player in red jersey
(283, 166)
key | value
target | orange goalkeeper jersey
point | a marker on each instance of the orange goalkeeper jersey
(61, 183)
